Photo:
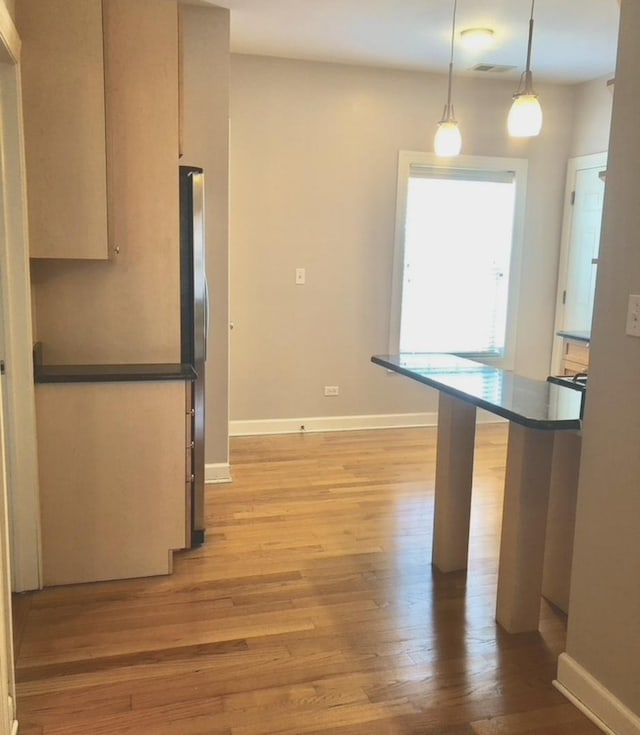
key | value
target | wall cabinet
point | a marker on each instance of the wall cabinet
(100, 93)
(126, 310)
(64, 124)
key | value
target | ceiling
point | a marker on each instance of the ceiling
(574, 40)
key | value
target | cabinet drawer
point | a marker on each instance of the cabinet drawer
(575, 355)
(572, 368)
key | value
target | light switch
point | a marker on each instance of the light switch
(633, 316)
(301, 276)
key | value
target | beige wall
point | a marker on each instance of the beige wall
(206, 144)
(593, 117)
(313, 182)
(604, 613)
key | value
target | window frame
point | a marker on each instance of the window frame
(409, 159)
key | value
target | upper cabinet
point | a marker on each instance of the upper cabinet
(126, 310)
(141, 92)
(64, 123)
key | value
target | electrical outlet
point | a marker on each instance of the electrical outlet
(633, 316)
(332, 390)
(301, 276)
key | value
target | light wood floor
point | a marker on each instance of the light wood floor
(312, 609)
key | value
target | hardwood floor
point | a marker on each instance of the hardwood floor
(312, 609)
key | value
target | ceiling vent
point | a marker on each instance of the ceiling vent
(493, 68)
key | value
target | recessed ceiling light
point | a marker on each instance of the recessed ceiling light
(477, 39)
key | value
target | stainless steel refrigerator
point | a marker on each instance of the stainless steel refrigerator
(194, 309)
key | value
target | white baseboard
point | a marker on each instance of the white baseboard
(342, 423)
(594, 700)
(217, 473)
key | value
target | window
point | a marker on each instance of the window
(458, 234)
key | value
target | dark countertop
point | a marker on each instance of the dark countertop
(578, 335)
(537, 404)
(112, 373)
(108, 373)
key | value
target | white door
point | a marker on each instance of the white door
(580, 246)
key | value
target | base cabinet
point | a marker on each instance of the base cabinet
(112, 479)
(575, 357)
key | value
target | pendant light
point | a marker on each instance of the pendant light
(448, 140)
(525, 116)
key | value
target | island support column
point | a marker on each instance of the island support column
(524, 521)
(454, 479)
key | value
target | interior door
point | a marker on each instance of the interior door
(580, 247)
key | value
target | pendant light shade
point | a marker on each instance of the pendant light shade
(448, 140)
(525, 116)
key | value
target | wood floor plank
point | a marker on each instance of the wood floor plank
(547, 721)
(312, 609)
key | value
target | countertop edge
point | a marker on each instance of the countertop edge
(578, 336)
(142, 372)
(550, 425)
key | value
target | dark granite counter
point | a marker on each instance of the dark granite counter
(132, 372)
(112, 373)
(536, 404)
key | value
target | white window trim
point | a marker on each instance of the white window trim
(406, 159)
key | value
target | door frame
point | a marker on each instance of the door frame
(15, 291)
(8, 716)
(579, 163)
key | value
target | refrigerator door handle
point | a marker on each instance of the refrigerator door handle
(206, 317)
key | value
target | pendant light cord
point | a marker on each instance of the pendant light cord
(526, 86)
(449, 110)
(533, 4)
(448, 140)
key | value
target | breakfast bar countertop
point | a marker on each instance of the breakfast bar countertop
(536, 404)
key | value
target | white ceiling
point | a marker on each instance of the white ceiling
(574, 40)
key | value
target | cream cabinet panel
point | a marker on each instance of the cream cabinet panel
(64, 123)
(112, 479)
(127, 310)
(141, 88)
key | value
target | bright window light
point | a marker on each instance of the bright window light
(457, 250)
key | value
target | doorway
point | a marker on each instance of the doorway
(19, 511)
(579, 250)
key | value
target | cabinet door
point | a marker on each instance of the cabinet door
(575, 357)
(129, 311)
(141, 92)
(112, 479)
(64, 123)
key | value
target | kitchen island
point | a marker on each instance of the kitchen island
(540, 415)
